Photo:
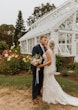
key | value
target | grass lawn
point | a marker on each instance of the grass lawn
(23, 81)
(68, 85)
(19, 82)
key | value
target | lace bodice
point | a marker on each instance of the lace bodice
(52, 67)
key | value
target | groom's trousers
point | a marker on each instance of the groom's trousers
(36, 88)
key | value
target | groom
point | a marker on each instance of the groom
(36, 87)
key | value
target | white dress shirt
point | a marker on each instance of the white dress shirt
(42, 47)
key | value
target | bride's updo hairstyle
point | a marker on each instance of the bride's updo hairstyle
(51, 44)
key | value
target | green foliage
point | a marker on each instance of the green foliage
(39, 11)
(12, 62)
(19, 28)
(14, 66)
(25, 63)
(76, 73)
(7, 29)
(3, 46)
(7, 33)
(16, 50)
(3, 66)
(76, 66)
(64, 72)
(71, 66)
(64, 62)
(59, 62)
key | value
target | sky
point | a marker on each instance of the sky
(9, 9)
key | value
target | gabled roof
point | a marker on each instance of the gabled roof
(69, 7)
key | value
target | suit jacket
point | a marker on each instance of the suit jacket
(37, 50)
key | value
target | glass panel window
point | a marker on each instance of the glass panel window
(69, 38)
(38, 39)
(76, 37)
(62, 38)
(77, 48)
(30, 44)
(65, 43)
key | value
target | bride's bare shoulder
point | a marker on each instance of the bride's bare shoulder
(48, 52)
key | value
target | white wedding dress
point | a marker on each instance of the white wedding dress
(52, 91)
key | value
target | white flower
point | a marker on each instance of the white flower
(6, 55)
(24, 60)
(9, 58)
(12, 47)
(36, 59)
(12, 55)
(16, 56)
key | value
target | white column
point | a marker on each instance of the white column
(54, 36)
(27, 46)
(73, 45)
(35, 38)
(73, 36)
(21, 46)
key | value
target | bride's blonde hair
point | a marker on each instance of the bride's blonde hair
(51, 44)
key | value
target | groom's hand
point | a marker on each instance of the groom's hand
(35, 65)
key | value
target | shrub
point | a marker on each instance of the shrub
(3, 66)
(59, 62)
(3, 46)
(15, 50)
(25, 63)
(76, 73)
(71, 66)
(14, 66)
(12, 63)
(64, 62)
(64, 72)
(76, 66)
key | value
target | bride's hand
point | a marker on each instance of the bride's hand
(40, 66)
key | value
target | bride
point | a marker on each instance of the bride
(52, 91)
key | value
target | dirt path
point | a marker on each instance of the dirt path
(13, 99)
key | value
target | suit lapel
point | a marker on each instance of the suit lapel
(40, 49)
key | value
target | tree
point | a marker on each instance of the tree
(19, 28)
(39, 11)
(6, 33)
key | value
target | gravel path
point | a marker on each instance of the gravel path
(13, 99)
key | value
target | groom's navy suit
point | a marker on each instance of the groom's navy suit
(36, 87)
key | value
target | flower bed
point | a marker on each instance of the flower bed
(11, 62)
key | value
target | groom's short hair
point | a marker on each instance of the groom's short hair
(43, 36)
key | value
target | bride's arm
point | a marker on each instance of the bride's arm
(48, 62)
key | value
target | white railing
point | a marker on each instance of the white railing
(63, 50)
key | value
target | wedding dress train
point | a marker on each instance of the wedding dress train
(52, 91)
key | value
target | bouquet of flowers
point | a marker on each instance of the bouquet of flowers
(36, 60)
